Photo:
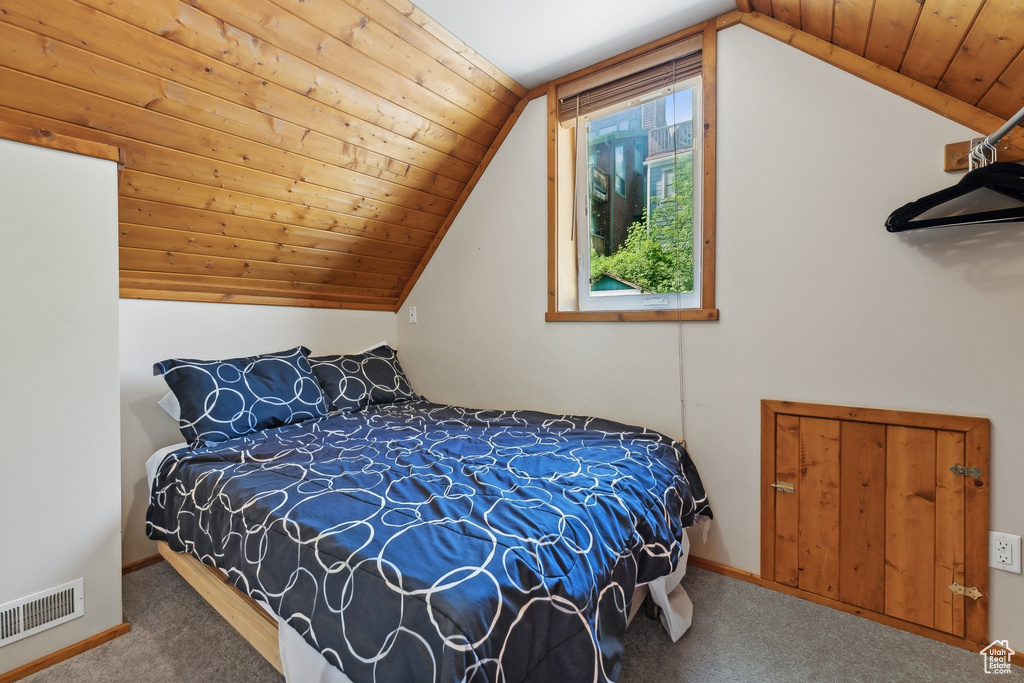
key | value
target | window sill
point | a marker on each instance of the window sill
(632, 316)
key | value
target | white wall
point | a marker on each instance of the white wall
(152, 331)
(481, 339)
(59, 463)
(818, 302)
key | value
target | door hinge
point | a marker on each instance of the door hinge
(784, 487)
(962, 471)
(969, 591)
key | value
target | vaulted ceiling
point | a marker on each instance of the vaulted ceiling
(970, 49)
(304, 152)
(313, 152)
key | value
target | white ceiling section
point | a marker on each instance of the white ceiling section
(535, 41)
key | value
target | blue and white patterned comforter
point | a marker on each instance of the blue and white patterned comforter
(421, 542)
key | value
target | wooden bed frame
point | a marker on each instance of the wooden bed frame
(242, 612)
(246, 616)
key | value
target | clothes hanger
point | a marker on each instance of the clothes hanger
(986, 174)
(1003, 177)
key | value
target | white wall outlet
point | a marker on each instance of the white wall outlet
(412, 314)
(1004, 551)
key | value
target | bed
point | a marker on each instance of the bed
(404, 540)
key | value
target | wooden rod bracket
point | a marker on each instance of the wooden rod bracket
(1010, 148)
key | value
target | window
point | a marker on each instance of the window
(620, 170)
(640, 255)
(644, 250)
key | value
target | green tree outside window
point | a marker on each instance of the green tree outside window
(658, 252)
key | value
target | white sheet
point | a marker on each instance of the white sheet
(669, 595)
(153, 464)
(301, 662)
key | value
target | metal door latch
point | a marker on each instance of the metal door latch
(962, 471)
(969, 591)
(784, 487)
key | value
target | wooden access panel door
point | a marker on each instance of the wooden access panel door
(880, 511)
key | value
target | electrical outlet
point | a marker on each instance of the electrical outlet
(1004, 551)
(412, 314)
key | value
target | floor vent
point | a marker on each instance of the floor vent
(22, 618)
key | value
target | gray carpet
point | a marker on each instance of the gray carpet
(741, 632)
(175, 636)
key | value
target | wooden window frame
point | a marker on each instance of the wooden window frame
(563, 299)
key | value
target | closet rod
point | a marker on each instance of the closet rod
(1007, 127)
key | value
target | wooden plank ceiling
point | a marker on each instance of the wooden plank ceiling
(969, 49)
(313, 152)
(297, 152)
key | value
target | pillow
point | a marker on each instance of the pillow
(224, 399)
(359, 380)
(170, 405)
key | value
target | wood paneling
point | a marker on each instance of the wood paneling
(1003, 98)
(818, 490)
(305, 152)
(861, 529)
(360, 126)
(989, 47)
(852, 22)
(892, 26)
(817, 18)
(709, 183)
(1012, 145)
(45, 138)
(949, 532)
(910, 524)
(940, 30)
(787, 505)
(879, 520)
(787, 11)
(970, 49)
(976, 497)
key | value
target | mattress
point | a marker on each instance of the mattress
(417, 541)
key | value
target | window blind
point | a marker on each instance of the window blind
(629, 87)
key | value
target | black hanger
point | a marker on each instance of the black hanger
(1006, 178)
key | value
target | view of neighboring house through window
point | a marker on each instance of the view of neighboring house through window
(640, 252)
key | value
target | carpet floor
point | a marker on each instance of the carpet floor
(741, 632)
